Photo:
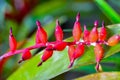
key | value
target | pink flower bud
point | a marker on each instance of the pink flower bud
(77, 31)
(41, 35)
(12, 41)
(102, 33)
(86, 34)
(26, 55)
(58, 32)
(46, 55)
(93, 37)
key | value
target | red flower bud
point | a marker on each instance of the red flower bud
(71, 50)
(12, 41)
(60, 45)
(41, 35)
(93, 37)
(46, 55)
(26, 55)
(77, 31)
(112, 41)
(37, 37)
(99, 53)
(77, 53)
(86, 34)
(58, 32)
(102, 33)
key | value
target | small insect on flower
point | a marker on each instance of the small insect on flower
(12, 41)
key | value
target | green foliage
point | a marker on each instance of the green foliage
(108, 11)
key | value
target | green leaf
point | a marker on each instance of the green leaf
(102, 76)
(108, 11)
(59, 62)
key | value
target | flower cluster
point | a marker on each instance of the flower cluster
(76, 48)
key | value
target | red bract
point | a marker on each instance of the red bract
(77, 31)
(46, 55)
(41, 35)
(99, 53)
(79, 51)
(71, 50)
(102, 33)
(112, 41)
(60, 45)
(93, 37)
(12, 41)
(86, 34)
(37, 37)
(25, 55)
(58, 32)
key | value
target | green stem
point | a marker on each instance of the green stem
(108, 11)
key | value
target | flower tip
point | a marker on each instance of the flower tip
(40, 64)
(103, 24)
(78, 16)
(11, 31)
(1, 58)
(71, 63)
(85, 27)
(98, 67)
(119, 37)
(38, 23)
(57, 22)
(20, 61)
(96, 23)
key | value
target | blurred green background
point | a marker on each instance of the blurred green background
(21, 15)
